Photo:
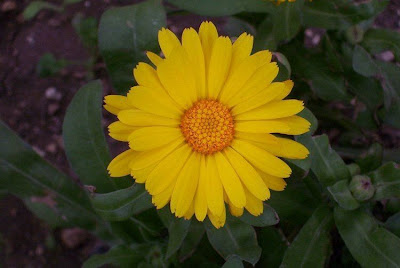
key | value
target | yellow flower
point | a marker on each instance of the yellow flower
(199, 126)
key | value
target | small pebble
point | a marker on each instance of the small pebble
(51, 148)
(8, 6)
(53, 94)
(53, 108)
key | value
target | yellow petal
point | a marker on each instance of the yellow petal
(177, 76)
(219, 65)
(266, 126)
(248, 175)
(115, 103)
(208, 34)
(149, 138)
(139, 118)
(154, 101)
(191, 43)
(235, 211)
(241, 49)
(261, 159)
(147, 158)
(240, 75)
(186, 186)
(297, 125)
(257, 137)
(218, 221)
(286, 91)
(261, 98)
(285, 148)
(230, 180)
(273, 110)
(119, 166)
(200, 202)
(215, 191)
(120, 131)
(142, 174)
(254, 205)
(168, 41)
(274, 183)
(154, 58)
(161, 199)
(167, 170)
(261, 79)
(145, 75)
(189, 214)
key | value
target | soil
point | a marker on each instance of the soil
(34, 107)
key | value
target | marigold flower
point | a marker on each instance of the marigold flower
(199, 126)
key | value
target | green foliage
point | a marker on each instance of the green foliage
(48, 65)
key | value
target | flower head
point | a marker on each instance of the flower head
(199, 126)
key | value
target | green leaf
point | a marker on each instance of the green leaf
(86, 28)
(287, 19)
(325, 162)
(233, 262)
(367, 90)
(48, 65)
(68, 2)
(234, 27)
(285, 70)
(371, 159)
(223, 7)
(26, 175)
(311, 246)
(267, 218)
(234, 238)
(84, 141)
(393, 224)
(264, 38)
(122, 204)
(342, 195)
(178, 228)
(363, 63)
(192, 240)
(369, 243)
(125, 34)
(120, 256)
(274, 245)
(379, 40)
(35, 7)
(386, 181)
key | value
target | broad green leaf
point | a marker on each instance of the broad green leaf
(371, 159)
(125, 34)
(287, 19)
(267, 218)
(234, 27)
(84, 141)
(25, 174)
(325, 162)
(393, 224)
(342, 195)
(120, 256)
(274, 245)
(223, 7)
(363, 63)
(379, 40)
(339, 14)
(264, 38)
(311, 246)
(178, 228)
(192, 240)
(233, 262)
(35, 7)
(367, 90)
(122, 204)
(369, 243)
(386, 180)
(234, 238)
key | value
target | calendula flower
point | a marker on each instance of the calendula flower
(199, 126)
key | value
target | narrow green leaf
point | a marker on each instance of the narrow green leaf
(285, 70)
(84, 141)
(267, 218)
(264, 38)
(233, 262)
(369, 243)
(178, 228)
(192, 240)
(274, 245)
(36, 6)
(235, 238)
(311, 246)
(26, 175)
(363, 63)
(125, 34)
(393, 224)
(287, 19)
(386, 181)
(379, 40)
(342, 195)
(325, 162)
(122, 204)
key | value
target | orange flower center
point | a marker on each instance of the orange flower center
(208, 126)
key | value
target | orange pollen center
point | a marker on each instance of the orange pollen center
(208, 126)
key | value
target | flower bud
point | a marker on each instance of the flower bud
(361, 187)
(355, 34)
